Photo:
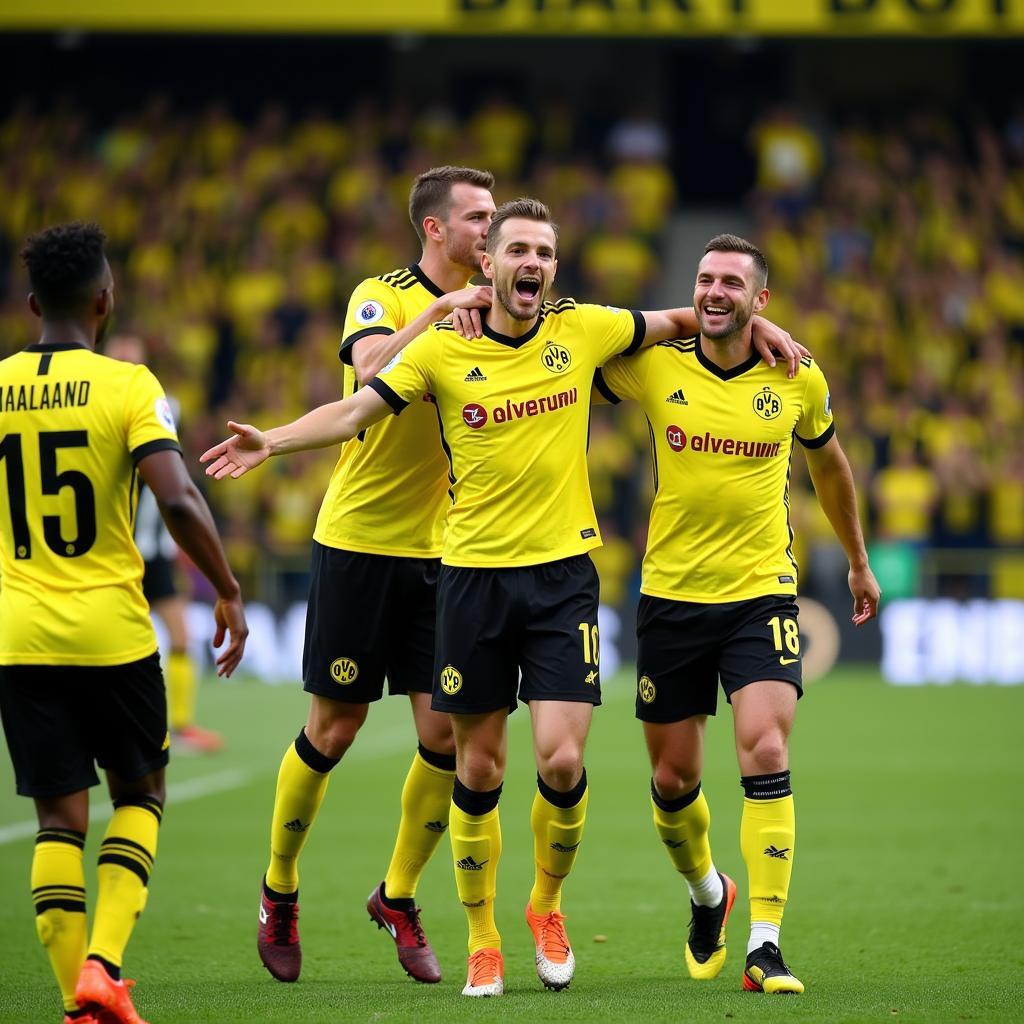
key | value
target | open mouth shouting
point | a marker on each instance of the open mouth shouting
(528, 288)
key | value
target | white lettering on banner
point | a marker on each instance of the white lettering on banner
(273, 651)
(945, 641)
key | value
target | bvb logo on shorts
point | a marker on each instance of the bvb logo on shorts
(556, 357)
(646, 689)
(767, 404)
(344, 671)
(451, 680)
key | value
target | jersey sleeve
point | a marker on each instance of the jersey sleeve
(373, 309)
(411, 373)
(815, 426)
(623, 378)
(615, 332)
(149, 421)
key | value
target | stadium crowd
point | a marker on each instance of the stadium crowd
(895, 253)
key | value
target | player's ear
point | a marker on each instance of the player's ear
(762, 300)
(432, 228)
(33, 304)
(487, 265)
(104, 301)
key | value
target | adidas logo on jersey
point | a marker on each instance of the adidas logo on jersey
(774, 851)
(677, 398)
(436, 826)
(475, 375)
(468, 864)
(559, 848)
(295, 825)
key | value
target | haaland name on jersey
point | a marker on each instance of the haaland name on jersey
(31, 397)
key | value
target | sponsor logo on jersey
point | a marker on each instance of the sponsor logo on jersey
(344, 671)
(370, 312)
(677, 397)
(469, 864)
(451, 680)
(646, 689)
(712, 445)
(588, 533)
(767, 404)
(556, 358)
(591, 678)
(828, 405)
(475, 375)
(474, 415)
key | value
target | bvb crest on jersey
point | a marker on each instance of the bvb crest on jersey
(556, 357)
(344, 671)
(451, 680)
(767, 404)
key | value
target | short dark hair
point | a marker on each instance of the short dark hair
(528, 209)
(64, 264)
(733, 243)
(431, 194)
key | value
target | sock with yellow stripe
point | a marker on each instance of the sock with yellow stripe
(557, 820)
(426, 803)
(301, 786)
(122, 872)
(58, 892)
(476, 849)
(683, 825)
(767, 841)
(182, 685)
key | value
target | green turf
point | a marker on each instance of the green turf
(904, 905)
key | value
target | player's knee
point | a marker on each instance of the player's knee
(562, 768)
(438, 738)
(767, 754)
(481, 770)
(673, 781)
(333, 738)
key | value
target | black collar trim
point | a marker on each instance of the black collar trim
(63, 346)
(504, 339)
(417, 272)
(734, 371)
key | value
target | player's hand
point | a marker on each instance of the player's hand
(229, 614)
(237, 455)
(465, 309)
(866, 595)
(770, 339)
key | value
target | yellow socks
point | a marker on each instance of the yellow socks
(557, 820)
(426, 803)
(301, 785)
(476, 850)
(122, 872)
(767, 840)
(682, 825)
(182, 684)
(58, 892)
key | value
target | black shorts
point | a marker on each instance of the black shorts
(491, 623)
(369, 617)
(684, 648)
(59, 719)
(158, 579)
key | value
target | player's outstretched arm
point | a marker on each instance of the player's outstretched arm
(324, 426)
(769, 339)
(188, 519)
(833, 483)
(371, 354)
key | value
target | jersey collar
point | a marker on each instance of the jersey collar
(734, 371)
(64, 346)
(504, 339)
(417, 272)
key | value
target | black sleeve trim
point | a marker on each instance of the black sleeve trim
(395, 401)
(163, 444)
(602, 385)
(639, 332)
(345, 352)
(818, 442)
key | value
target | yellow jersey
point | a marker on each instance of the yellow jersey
(389, 490)
(73, 427)
(514, 418)
(722, 445)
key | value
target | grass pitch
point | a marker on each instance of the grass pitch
(904, 904)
